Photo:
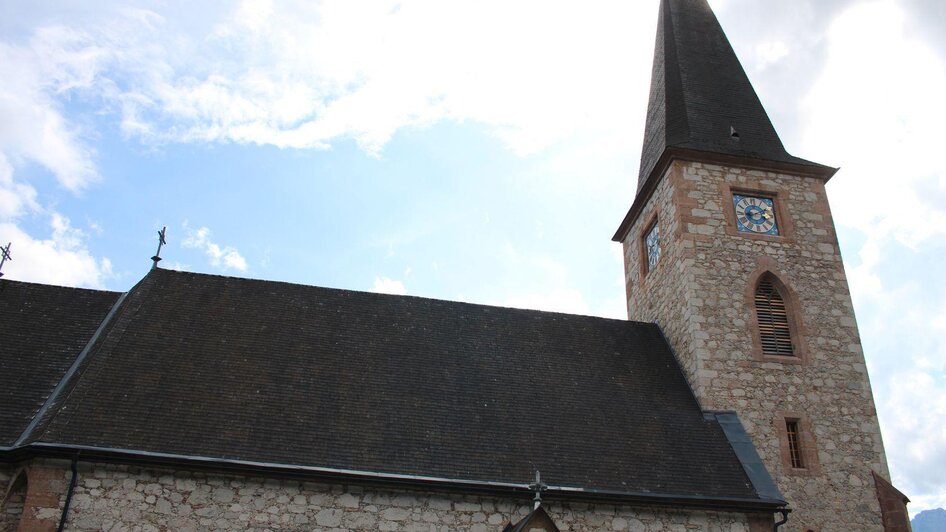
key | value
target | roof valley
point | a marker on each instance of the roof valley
(113, 324)
(44, 329)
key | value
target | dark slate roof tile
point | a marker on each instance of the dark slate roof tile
(42, 331)
(201, 365)
(699, 91)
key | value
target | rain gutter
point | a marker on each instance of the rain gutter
(250, 467)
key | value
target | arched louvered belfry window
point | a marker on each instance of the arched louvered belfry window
(775, 333)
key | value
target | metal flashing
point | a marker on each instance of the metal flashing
(69, 373)
(746, 452)
(91, 453)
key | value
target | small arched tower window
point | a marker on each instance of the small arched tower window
(775, 333)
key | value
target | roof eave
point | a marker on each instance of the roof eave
(247, 467)
(671, 154)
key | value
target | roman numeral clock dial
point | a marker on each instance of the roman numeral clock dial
(755, 215)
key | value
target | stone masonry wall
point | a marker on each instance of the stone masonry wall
(670, 280)
(36, 505)
(120, 498)
(701, 294)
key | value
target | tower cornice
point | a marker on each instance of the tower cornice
(671, 154)
(703, 107)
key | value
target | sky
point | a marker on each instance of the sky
(477, 151)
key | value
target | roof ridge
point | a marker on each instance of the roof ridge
(68, 384)
(60, 287)
(383, 295)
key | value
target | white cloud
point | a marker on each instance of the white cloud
(567, 300)
(863, 279)
(385, 285)
(940, 321)
(60, 259)
(538, 282)
(226, 257)
(550, 285)
(16, 199)
(913, 420)
(876, 111)
(879, 95)
(300, 74)
(33, 80)
(719, 5)
(176, 266)
(771, 52)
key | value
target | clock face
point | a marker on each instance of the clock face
(755, 215)
(652, 241)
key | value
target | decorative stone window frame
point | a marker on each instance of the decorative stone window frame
(652, 221)
(768, 266)
(16, 479)
(786, 228)
(809, 445)
(19, 482)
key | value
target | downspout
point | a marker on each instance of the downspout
(783, 521)
(72, 488)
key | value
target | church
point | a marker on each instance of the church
(734, 398)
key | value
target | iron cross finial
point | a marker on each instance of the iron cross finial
(161, 241)
(5, 255)
(538, 487)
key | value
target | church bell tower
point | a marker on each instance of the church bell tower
(730, 246)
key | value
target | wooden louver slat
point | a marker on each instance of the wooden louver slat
(772, 318)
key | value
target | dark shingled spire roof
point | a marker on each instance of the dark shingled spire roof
(700, 95)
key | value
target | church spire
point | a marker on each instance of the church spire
(701, 100)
